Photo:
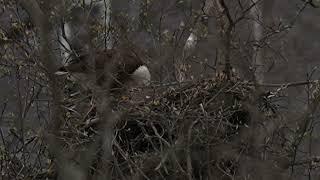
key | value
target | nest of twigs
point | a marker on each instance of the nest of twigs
(205, 105)
(169, 132)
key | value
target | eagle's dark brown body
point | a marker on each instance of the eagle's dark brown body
(113, 67)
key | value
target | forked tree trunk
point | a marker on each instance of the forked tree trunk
(225, 28)
(257, 31)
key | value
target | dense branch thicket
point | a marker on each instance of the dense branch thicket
(209, 112)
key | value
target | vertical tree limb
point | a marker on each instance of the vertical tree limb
(257, 55)
(41, 22)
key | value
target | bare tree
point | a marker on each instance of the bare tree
(197, 119)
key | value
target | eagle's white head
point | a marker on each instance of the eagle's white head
(142, 76)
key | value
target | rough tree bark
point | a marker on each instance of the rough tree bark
(257, 31)
(225, 27)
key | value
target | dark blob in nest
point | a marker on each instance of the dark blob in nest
(213, 110)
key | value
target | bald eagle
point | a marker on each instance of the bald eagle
(113, 68)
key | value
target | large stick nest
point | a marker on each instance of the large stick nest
(167, 131)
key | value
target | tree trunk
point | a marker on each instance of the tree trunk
(257, 31)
